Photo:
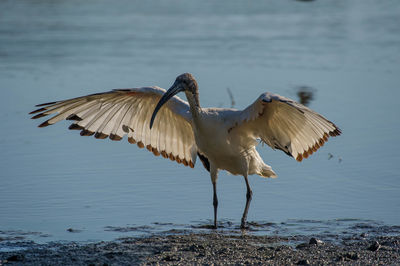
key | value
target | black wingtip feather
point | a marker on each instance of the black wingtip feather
(73, 117)
(75, 127)
(43, 104)
(335, 132)
(100, 135)
(44, 124)
(37, 111)
(115, 137)
(38, 116)
(86, 132)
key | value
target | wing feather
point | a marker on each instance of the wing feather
(136, 125)
(161, 137)
(98, 119)
(117, 130)
(99, 123)
(168, 137)
(286, 125)
(114, 121)
(127, 112)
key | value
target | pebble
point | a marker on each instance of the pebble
(18, 257)
(302, 245)
(352, 256)
(375, 246)
(314, 241)
(303, 262)
(72, 230)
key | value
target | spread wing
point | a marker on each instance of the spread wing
(286, 125)
(123, 112)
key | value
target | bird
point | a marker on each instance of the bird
(222, 138)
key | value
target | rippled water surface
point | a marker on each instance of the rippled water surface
(346, 52)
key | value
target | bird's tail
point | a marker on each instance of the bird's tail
(266, 171)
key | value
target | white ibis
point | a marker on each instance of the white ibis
(223, 139)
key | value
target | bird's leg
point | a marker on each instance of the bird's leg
(248, 200)
(215, 203)
(214, 177)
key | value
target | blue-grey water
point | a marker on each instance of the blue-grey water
(52, 179)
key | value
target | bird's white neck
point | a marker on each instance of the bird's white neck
(194, 103)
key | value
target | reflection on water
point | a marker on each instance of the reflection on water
(231, 97)
(53, 180)
(305, 95)
(327, 230)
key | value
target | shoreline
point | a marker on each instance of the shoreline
(182, 247)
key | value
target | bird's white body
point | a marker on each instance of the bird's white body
(223, 138)
(226, 149)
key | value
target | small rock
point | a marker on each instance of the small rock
(72, 230)
(302, 245)
(222, 251)
(352, 256)
(170, 258)
(282, 248)
(314, 241)
(109, 255)
(18, 257)
(303, 262)
(375, 246)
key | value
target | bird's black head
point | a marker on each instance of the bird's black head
(185, 82)
(188, 82)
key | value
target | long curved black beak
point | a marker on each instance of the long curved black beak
(175, 89)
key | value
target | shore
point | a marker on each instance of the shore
(212, 248)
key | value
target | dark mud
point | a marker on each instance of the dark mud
(365, 245)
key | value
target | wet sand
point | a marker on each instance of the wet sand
(212, 248)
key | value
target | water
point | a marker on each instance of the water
(347, 52)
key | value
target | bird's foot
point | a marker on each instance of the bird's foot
(243, 225)
(214, 226)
